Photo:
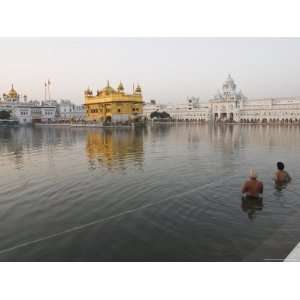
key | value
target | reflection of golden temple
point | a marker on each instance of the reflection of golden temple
(113, 105)
(114, 148)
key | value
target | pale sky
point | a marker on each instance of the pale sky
(168, 69)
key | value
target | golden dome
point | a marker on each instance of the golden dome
(108, 89)
(12, 93)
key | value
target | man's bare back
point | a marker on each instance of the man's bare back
(282, 177)
(253, 188)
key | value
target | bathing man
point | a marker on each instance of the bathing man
(253, 188)
(281, 176)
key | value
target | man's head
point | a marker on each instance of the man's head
(252, 174)
(280, 165)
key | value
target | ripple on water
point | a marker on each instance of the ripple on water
(168, 193)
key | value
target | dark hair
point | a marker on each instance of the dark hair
(280, 165)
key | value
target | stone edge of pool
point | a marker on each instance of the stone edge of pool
(294, 255)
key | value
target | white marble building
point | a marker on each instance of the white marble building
(275, 110)
(234, 106)
(231, 105)
(69, 111)
(26, 112)
(226, 104)
(192, 110)
(150, 107)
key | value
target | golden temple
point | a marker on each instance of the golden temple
(110, 105)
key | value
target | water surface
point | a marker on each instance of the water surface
(160, 193)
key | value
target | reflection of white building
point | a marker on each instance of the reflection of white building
(26, 112)
(231, 105)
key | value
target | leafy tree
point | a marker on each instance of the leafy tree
(4, 114)
(165, 115)
(155, 114)
(160, 115)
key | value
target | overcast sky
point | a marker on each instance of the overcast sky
(168, 69)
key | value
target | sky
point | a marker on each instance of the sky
(168, 69)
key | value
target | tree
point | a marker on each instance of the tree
(165, 115)
(155, 114)
(160, 115)
(4, 114)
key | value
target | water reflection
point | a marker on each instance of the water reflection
(251, 206)
(115, 149)
(18, 144)
(53, 179)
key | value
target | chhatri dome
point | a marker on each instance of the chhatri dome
(229, 91)
(88, 92)
(229, 84)
(108, 89)
(138, 89)
(120, 87)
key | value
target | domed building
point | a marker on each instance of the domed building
(226, 106)
(110, 105)
(26, 112)
(231, 106)
(12, 95)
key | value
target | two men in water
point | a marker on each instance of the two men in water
(253, 188)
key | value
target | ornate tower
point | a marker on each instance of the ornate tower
(229, 88)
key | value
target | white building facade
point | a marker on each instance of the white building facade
(232, 106)
(193, 110)
(69, 111)
(26, 112)
(150, 107)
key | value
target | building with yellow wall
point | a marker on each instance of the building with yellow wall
(113, 105)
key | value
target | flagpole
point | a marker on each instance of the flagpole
(49, 89)
(45, 96)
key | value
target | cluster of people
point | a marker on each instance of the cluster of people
(253, 188)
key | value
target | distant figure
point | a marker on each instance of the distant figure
(253, 188)
(281, 176)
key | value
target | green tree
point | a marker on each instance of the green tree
(4, 114)
(160, 115)
(165, 115)
(155, 114)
